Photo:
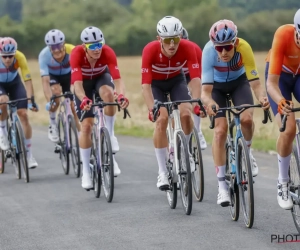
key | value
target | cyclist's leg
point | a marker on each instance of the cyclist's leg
(197, 123)
(18, 91)
(65, 83)
(218, 146)
(85, 140)
(285, 140)
(160, 139)
(56, 90)
(4, 144)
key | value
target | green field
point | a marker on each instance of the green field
(139, 125)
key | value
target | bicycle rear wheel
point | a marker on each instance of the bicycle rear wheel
(246, 183)
(63, 153)
(107, 165)
(294, 174)
(198, 174)
(74, 146)
(172, 193)
(2, 162)
(95, 160)
(184, 173)
(22, 150)
(233, 190)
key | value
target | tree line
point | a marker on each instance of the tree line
(128, 25)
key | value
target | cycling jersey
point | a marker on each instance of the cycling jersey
(215, 70)
(48, 65)
(10, 73)
(81, 68)
(199, 56)
(284, 54)
(157, 66)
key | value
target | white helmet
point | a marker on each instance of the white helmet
(169, 26)
(54, 37)
(297, 20)
(91, 34)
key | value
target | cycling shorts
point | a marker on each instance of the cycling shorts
(63, 80)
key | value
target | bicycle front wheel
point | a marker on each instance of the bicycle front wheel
(246, 183)
(74, 147)
(107, 165)
(15, 161)
(95, 160)
(22, 150)
(2, 162)
(63, 153)
(294, 174)
(198, 174)
(184, 172)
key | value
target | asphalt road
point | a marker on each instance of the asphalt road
(54, 212)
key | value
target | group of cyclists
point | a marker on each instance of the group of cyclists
(170, 64)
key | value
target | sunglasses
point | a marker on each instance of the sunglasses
(169, 40)
(11, 56)
(58, 46)
(227, 47)
(94, 46)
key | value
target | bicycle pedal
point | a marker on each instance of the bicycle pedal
(225, 204)
(164, 188)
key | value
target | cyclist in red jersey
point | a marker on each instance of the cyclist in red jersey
(197, 118)
(162, 63)
(94, 68)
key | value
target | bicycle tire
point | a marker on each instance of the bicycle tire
(107, 164)
(14, 160)
(243, 151)
(233, 189)
(95, 157)
(75, 154)
(2, 162)
(184, 174)
(199, 172)
(22, 150)
(295, 181)
(63, 154)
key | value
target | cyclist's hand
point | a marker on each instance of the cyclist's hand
(33, 107)
(151, 115)
(284, 107)
(86, 103)
(210, 110)
(49, 107)
(264, 103)
(123, 101)
(199, 112)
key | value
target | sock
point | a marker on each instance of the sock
(248, 143)
(161, 160)
(28, 147)
(85, 154)
(197, 122)
(3, 128)
(283, 166)
(52, 117)
(221, 177)
(110, 123)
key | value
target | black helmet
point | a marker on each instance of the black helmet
(185, 34)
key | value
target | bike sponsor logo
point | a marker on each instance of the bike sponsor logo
(74, 70)
(195, 66)
(145, 70)
(285, 238)
(254, 72)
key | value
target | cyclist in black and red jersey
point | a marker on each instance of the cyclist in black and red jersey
(94, 67)
(162, 63)
(197, 118)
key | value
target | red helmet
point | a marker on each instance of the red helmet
(8, 46)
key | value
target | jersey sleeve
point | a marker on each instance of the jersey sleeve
(146, 65)
(249, 61)
(44, 71)
(208, 66)
(23, 65)
(277, 53)
(112, 64)
(192, 62)
(199, 57)
(75, 62)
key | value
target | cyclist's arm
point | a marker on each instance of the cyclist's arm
(207, 75)
(22, 62)
(194, 70)
(45, 76)
(147, 78)
(76, 74)
(275, 67)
